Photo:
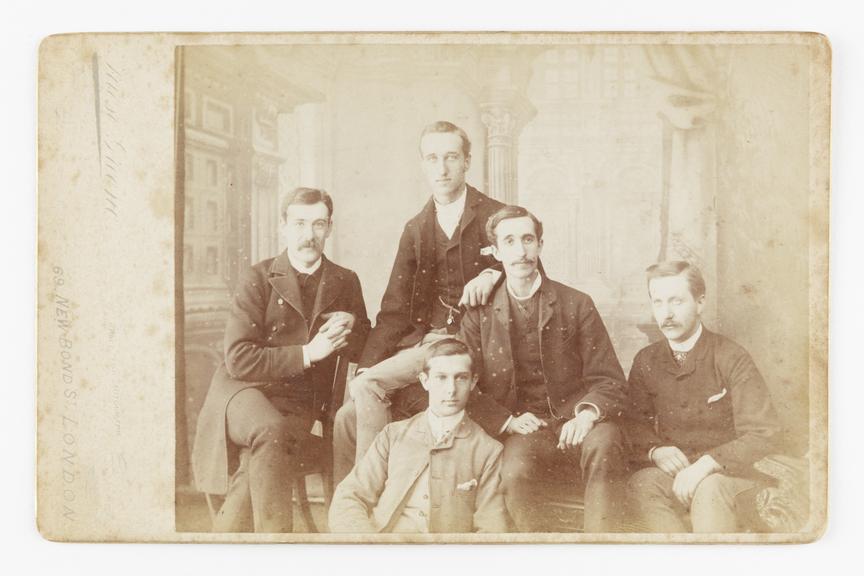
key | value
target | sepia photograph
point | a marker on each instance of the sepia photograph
(433, 287)
(500, 287)
(449, 288)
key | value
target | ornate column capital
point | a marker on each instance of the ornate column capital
(502, 124)
(504, 110)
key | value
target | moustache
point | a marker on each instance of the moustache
(308, 244)
(669, 324)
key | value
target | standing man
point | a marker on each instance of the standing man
(702, 414)
(440, 252)
(292, 316)
(551, 383)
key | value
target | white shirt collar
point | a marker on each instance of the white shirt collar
(456, 205)
(440, 425)
(534, 288)
(688, 344)
(302, 268)
(448, 215)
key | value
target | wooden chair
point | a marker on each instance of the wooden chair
(321, 463)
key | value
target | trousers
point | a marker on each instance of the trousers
(273, 435)
(360, 418)
(712, 510)
(532, 460)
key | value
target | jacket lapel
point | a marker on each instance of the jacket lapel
(466, 426)
(329, 289)
(501, 309)
(472, 198)
(696, 354)
(666, 358)
(500, 339)
(284, 281)
(426, 237)
(546, 304)
(420, 435)
(470, 241)
(463, 430)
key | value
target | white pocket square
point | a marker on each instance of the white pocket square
(467, 486)
(717, 396)
(486, 251)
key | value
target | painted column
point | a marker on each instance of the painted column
(504, 110)
(689, 81)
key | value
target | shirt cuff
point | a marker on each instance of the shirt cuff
(583, 405)
(507, 423)
(714, 463)
(716, 466)
(651, 453)
(307, 362)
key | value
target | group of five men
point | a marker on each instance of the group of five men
(501, 380)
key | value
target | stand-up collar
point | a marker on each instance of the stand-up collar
(448, 215)
(688, 344)
(302, 268)
(534, 288)
(441, 425)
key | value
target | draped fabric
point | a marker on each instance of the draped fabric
(691, 82)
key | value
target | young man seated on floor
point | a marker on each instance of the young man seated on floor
(436, 472)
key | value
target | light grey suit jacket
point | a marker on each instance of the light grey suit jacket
(464, 480)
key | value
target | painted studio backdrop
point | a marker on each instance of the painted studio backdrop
(629, 154)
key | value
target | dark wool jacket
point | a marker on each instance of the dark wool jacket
(717, 403)
(406, 308)
(264, 337)
(579, 362)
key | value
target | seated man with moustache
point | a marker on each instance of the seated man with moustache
(701, 414)
(552, 387)
(436, 472)
(292, 316)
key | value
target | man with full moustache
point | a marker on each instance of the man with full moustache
(552, 387)
(291, 318)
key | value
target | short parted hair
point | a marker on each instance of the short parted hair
(444, 127)
(694, 277)
(447, 347)
(506, 213)
(305, 196)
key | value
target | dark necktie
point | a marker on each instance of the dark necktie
(308, 290)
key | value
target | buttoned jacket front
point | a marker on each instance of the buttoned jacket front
(264, 338)
(406, 307)
(464, 480)
(715, 403)
(578, 360)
